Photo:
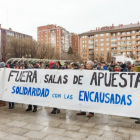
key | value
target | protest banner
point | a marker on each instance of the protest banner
(86, 90)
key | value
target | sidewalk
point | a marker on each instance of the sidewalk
(17, 124)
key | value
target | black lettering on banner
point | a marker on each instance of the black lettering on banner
(21, 80)
(80, 78)
(125, 81)
(137, 80)
(10, 75)
(59, 80)
(17, 78)
(100, 76)
(75, 79)
(66, 79)
(113, 79)
(105, 80)
(131, 78)
(46, 79)
(94, 77)
(29, 76)
(34, 77)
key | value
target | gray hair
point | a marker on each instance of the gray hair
(90, 62)
(128, 63)
(2, 65)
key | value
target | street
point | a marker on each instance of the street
(17, 124)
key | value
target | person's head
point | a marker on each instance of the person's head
(112, 63)
(58, 64)
(83, 66)
(89, 65)
(99, 65)
(16, 66)
(136, 63)
(117, 67)
(71, 65)
(75, 66)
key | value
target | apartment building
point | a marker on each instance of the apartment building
(5, 36)
(55, 36)
(74, 42)
(108, 41)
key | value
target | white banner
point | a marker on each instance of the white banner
(86, 90)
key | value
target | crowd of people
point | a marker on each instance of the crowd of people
(89, 65)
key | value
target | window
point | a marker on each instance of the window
(114, 44)
(102, 49)
(118, 38)
(119, 53)
(128, 42)
(123, 38)
(96, 49)
(133, 52)
(101, 34)
(96, 40)
(96, 35)
(128, 33)
(123, 43)
(113, 34)
(90, 41)
(102, 44)
(118, 48)
(107, 34)
(137, 42)
(101, 39)
(102, 54)
(138, 36)
(133, 42)
(123, 33)
(128, 48)
(107, 39)
(119, 43)
(128, 38)
(107, 49)
(107, 44)
(133, 32)
(118, 33)
(113, 39)
(133, 37)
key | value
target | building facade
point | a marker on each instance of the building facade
(55, 36)
(5, 36)
(106, 42)
(74, 42)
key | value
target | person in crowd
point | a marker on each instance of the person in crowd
(58, 65)
(54, 65)
(136, 63)
(136, 69)
(71, 65)
(89, 66)
(117, 68)
(83, 66)
(105, 67)
(2, 103)
(35, 66)
(99, 67)
(111, 67)
(75, 66)
(12, 104)
(123, 68)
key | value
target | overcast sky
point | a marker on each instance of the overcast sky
(74, 15)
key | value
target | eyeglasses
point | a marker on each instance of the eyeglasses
(116, 67)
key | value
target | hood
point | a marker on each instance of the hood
(51, 63)
(123, 65)
(136, 69)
